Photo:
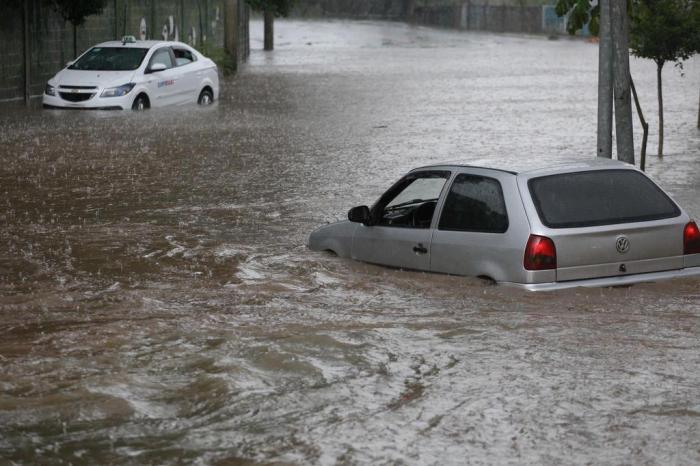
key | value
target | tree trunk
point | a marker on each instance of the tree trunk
(659, 68)
(269, 20)
(621, 81)
(605, 83)
(645, 127)
(231, 31)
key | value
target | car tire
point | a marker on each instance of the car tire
(205, 97)
(141, 103)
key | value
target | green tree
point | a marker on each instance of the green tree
(696, 40)
(580, 13)
(664, 31)
(270, 9)
(76, 12)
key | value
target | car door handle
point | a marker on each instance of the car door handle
(420, 249)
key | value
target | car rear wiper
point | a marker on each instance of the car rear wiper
(407, 203)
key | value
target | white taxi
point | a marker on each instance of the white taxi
(131, 74)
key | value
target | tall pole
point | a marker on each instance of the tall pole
(27, 52)
(231, 30)
(621, 81)
(152, 32)
(605, 83)
(269, 21)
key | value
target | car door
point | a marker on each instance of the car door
(472, 235)
(402, 221)
(166, 86)
(186, 62)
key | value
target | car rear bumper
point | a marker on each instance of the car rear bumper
(609, 281)
(95, 103)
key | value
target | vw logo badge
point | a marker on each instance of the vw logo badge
(622, 244)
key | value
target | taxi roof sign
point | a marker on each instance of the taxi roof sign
(128, 40)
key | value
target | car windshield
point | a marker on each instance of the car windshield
(110, 59)
(601, 197)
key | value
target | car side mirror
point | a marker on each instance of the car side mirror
(156, 67)
(360, 214)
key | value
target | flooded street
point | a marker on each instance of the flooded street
(158, 304)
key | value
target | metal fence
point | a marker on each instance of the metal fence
(35, 42)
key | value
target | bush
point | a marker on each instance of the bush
(221, 57)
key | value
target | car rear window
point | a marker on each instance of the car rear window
(110, 59)
(600, 197)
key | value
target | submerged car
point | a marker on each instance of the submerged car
(131, 74)
(598, 223)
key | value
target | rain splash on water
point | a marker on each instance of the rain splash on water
(158, 303)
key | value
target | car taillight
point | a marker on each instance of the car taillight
(540, 253)
(691, 239)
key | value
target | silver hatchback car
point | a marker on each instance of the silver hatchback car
(597, 223)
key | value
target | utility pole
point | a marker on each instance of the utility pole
(605, 82)
(152, 27)
(231, 29)
(27, 52)
(269, 20)
(621, 81)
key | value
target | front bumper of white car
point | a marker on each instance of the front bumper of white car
(86, 99)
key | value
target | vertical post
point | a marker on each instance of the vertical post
(621, 81)
(269, 20)
(246, 11)
(205, 31)
(182, 21)
(126, 16)
(231, 30)
(27, 52)
(116, 27)
(605, 83)
(698, 110)
(152, 31)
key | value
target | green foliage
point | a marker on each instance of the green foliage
(278, 7)
(695, 25)
(76, 11)
(665, 30)
(12, 4)
(221, 57)
(581, 12)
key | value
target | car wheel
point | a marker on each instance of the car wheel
(140, 103)
(206, 97)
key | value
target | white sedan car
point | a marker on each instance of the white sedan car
(134, 74)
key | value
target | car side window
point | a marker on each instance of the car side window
(474, 203)
(411, 202)
(183, 57)
(162, 56)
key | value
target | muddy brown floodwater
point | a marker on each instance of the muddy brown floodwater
(158, 304)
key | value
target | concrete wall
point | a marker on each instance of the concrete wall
(357, 9)
(526, 16)
(197, 22)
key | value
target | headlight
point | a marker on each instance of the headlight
(118, 91)
(50, 90)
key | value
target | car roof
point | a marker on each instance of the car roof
(533, 167)
(140, 44)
